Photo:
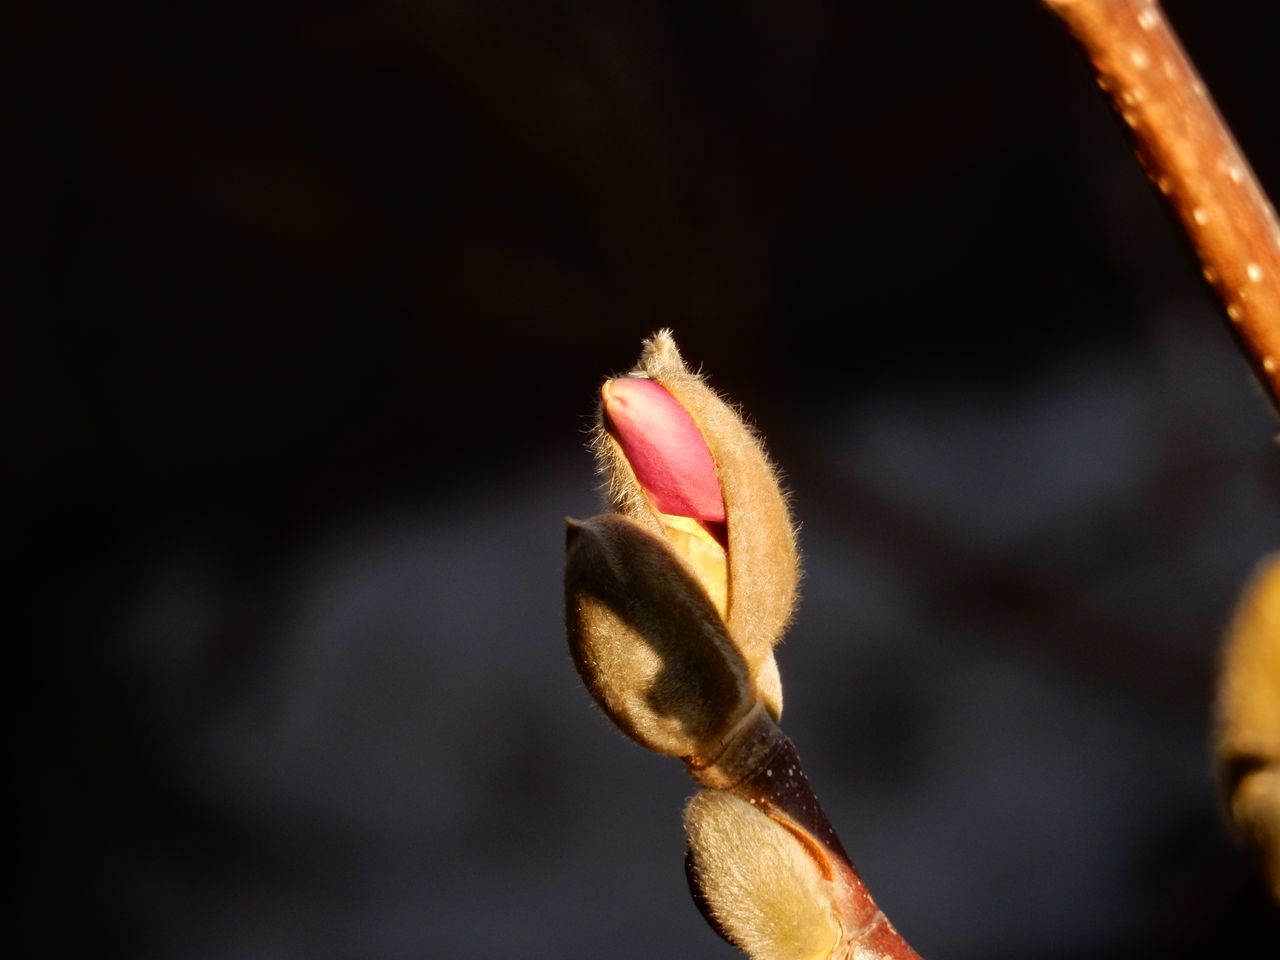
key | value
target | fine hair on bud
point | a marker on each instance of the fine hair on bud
(762, 889)
(1248, 733)
(648, 642)
(763, 561)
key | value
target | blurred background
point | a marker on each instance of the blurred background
(307, 306)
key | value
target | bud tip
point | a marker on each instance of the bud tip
(665, 448)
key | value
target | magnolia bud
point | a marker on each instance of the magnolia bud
(648, 642)
(664, 448)
(762, 888)
(653, 465)
(669, 465)
(1248, 736)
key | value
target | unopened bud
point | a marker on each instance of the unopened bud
(761, 566)
(648, 642)
(761, 886)
(665, 461)
(664, 447)
(1248, 741)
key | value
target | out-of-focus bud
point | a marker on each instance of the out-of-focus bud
(1248, 737)
(643, 447)
(648, 642)
(765, 890)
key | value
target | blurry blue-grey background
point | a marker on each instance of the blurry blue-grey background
(307, 306)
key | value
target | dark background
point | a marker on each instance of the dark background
(307, 304)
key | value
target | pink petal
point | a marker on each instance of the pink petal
(664, 447)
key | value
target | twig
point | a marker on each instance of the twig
(1189, 154)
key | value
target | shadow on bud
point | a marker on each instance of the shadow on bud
(648, 642)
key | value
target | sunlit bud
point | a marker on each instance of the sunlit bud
(764, 889)
(1248, 742)
(670, 476)
(753, 578)
(664, 447)
(647, 641)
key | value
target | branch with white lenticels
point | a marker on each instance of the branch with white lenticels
(1189, 154)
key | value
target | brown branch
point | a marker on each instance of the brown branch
(1189, 154)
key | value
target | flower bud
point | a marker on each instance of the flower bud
(648, 642)
(644, 446)
(1248, 735)
(664, 447)
(763, 889)
(673, 471)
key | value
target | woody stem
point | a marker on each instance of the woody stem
(1188, 153)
